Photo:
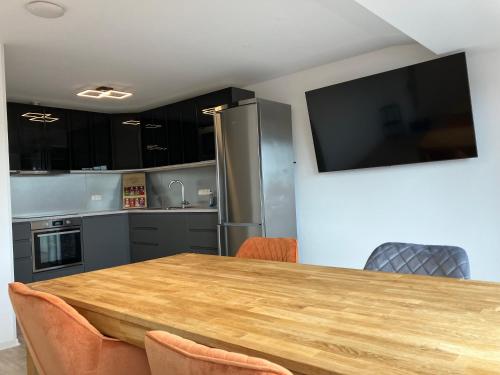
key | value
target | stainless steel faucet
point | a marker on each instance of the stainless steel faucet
(184, 202)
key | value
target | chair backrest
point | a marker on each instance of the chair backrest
(63, 342)
(174, 355)
(432, 260)
(277, 249)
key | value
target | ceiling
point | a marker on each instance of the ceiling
(165, 50)
(443, 26)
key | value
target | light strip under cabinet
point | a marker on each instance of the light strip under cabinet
(132, 122)
(209, 111)
(155, 148)
(153, 126)
(40, 117)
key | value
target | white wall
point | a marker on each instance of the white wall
(7, 320)
(343, 216)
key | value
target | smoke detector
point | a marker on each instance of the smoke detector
(45, 9)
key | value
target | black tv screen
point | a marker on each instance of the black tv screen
(414, 114)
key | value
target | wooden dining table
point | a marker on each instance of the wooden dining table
(310, 319)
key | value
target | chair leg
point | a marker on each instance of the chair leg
(30, 365)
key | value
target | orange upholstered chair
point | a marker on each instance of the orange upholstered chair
(62, 342)
(277, 249)
(172, 355)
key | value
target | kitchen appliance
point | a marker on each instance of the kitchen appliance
(255, 179)
(414, 114)
(56, 243)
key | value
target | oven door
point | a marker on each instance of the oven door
(56, 248)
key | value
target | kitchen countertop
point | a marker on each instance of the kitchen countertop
(26, 218)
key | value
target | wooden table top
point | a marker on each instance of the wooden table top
(310, 319)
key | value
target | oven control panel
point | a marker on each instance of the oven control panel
(56, 223)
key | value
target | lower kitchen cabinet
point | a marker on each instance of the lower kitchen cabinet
(202, 233)
(114, 240)
(59, 272)
(105, 241)
(159, 235)
(23, 270)
(23, 264)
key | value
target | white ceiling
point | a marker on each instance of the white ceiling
(443, 26)
(164, 50)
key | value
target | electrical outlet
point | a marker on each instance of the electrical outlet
(96, 197)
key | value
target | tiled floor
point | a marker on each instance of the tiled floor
(13, 361)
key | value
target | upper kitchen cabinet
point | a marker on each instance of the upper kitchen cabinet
(60, 139)
(80, 145)
(190, 125)
(38, 138)
(14, 143)
(90, 139)
(174, 134)
(126, 141)
(100, 127)
(56, 138)
(189, 122)
(155, 151)
(204, 114)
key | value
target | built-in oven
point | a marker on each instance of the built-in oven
(56, 243)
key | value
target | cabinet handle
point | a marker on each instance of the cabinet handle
(144, 243)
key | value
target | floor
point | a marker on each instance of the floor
(13, 361)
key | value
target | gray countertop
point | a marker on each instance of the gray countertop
(113, 212)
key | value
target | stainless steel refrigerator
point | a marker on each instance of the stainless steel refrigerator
(255, 172)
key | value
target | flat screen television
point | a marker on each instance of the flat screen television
(415, 114)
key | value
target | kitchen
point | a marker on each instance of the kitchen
(102, 190)
(159, 217)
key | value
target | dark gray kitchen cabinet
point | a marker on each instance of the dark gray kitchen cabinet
(23, 264)
(204, 135)
(38, 137)
(105, 241)
(154, 137)
(202, 233)
(23, 270)
(57, 145)
(80, 140)
(14, 141)
(90, 139)
(158, 235)
(126, 141)
(61, 272)
(100, 130)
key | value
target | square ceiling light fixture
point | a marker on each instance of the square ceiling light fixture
(104, 92)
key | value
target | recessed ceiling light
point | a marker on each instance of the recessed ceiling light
(45, 9)
(104, 92)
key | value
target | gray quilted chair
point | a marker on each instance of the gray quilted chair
(449, 261)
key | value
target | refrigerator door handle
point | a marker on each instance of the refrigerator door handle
(220, 169)
(241, 224)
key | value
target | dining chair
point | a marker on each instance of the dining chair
(277, 249)
(173, 355)
(61, 341)
(431, 260)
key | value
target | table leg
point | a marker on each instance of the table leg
(30, 366)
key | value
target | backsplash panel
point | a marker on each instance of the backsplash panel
(72, 193)
(193, 179)
(64, 194)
